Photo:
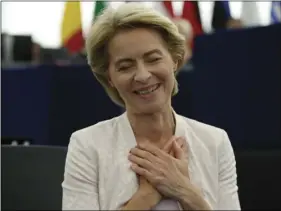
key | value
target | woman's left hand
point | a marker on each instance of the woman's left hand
(166, 173)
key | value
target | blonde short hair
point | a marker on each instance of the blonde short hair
(129, 16)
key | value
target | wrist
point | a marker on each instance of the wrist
(187, 191)
(151, 199)
(191, 198)
(142, 201)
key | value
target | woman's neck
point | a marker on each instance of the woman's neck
(156, 127)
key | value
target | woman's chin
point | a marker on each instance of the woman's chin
(150, 107)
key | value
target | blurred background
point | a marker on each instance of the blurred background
(231, 80)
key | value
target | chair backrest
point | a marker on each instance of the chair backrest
(259, 179)
(32, 177)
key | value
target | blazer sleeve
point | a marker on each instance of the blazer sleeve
(228, 189)
(80, 188)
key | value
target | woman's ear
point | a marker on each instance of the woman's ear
(175, 66)
(110, 83)
(188, 54)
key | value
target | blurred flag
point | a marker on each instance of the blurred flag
(191, 13)
(250, 14)
(276, 12)
(71, 30)
(221, 15)
(165, 8)
(99, 7)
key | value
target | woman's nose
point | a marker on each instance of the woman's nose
(142, 74)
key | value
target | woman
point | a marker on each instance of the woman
(149, 158)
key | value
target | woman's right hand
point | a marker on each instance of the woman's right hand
(147, 196)
(145, 188)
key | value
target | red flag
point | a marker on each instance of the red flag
(165, 8)
(191, 13)
(169, 7)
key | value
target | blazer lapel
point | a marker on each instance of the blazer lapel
(127, 179)
(183, 129)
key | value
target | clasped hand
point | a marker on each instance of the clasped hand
(165, 169)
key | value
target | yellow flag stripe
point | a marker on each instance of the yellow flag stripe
(71, 20)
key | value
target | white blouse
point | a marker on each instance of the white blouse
(97, 170)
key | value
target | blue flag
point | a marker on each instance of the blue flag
(221, 15)
(276, 12)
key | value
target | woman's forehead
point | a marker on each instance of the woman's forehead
(140, 39)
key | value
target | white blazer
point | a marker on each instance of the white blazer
(98, 175)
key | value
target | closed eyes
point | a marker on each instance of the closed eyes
(153, 60)
(125, 67)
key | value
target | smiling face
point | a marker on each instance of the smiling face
(141, 69)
